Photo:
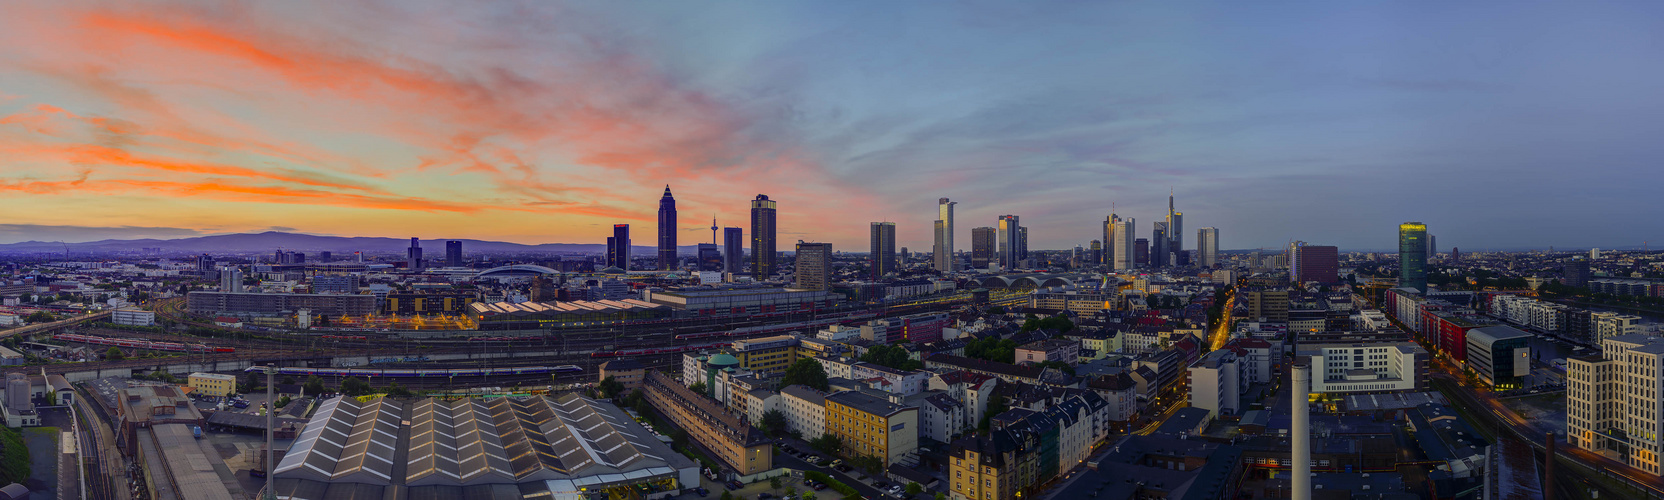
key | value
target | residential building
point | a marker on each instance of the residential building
(626, 371)
(762, 237)
(1040, 351)
(972, 389)
(872, 426)
(1265, 303)
(814, 266)
(805, 409)
(941, 417)
(1121, 394)
(891, 380)
(1613, 403)
(735, 442)
(1367, 367)
(1499, 355)
(1605, 324)
(1026, 449)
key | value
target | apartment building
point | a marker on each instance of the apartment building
(735, 442)
(872, 426)
(805, 409)
(1613, 403)
(1605, 325)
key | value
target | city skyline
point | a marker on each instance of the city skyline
(226, 120)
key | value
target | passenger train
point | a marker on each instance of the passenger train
(139, 343)
(422, 372)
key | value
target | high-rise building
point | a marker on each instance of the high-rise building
(1175, 231)
(620, 250)
(1095, 253)
(1207, 244)
(453, 253)
(1159, 252)
(231, 279)
(1318, 263)
(1009, 230)
(982, 246)
(1291, 256)
(1412, 255)
(937, 227)
(709, 258)
(882, 259)
(204, 262)
(1022, 242)
(1455, 254)
(323, 257)
(733, 250)
(1576, 273)
(1123, 248)
(762, 237)
(814, 266)
(1110, 248)
(1141, 252)
(1613, 402)
(945, 260)
(414, 254)
(1432, 246)
(667, 230)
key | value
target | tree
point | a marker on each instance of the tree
(807, 372)
(827, 443)
(41, 317)
(725, 495)
(14, 457)
(314, 385)
(774, 422)
(115, 354)
(699, 387)
(996, 406)
(914, 488)
(891, 356)
(282, 402)
(394, 389)
(774, 483)
(610, 387)
(354, 386)
(251, 383)
(941, 496)
(287, 380)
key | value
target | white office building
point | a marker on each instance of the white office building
(133, 316)
(1372, 367)
(1217, 383)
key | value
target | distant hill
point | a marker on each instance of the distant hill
(271, 241)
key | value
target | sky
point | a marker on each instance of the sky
(1499, 124)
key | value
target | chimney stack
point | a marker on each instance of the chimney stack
(1300, 436)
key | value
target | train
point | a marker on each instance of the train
(782, 327)
(658, 350)
(139, 343)
(422, 372)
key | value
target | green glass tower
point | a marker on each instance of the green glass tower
(1412, 255)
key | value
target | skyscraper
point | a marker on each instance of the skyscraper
(709, 258)
(982, 246)
(1022, 242)
(882, 259)
(413, 254)
(1291, 256)
(814, 266)
(1175, 232)
(1576, 273)
(945, 261)
(1009, 231)
(667, 230)
(733, 250)
(1412, 255)
(620, 251)
(453, 253)
(1125, 240)
(1141, 252)
(1095, 253)
(1318, 263)
(762, 237)
(1158, 245)
(231, 279)
(1109, 239)
(1207, 244)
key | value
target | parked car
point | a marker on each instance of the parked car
(819, 486)
(734, 485)
(896, 490)
(702, 492)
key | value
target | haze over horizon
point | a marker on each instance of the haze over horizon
(1524, 125)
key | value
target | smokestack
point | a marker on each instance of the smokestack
(1300, 436)
(1548, 468)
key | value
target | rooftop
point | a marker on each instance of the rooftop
(867, 403)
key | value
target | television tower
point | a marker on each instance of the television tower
(713, 229)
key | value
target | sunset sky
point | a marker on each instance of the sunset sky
(1500, 124)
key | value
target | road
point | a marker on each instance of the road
(1222, 331)
(786, 459)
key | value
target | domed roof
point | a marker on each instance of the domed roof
(723, 359)
(612, 270)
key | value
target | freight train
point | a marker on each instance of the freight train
(139, 343)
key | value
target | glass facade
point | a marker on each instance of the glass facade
(1412, 255)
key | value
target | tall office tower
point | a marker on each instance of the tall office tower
(1291, 256)
(1412, 255)
(733, 250)
(1158, 245)
(231, 279)
(453, 253)
(1074, 258)
(1207, 244)
(1022, 242)
(905, 256)
(1576, 273)
(762, 237)
(612, 251)
(204, 263)
(936, 229)
(1125, 240)
(982, 246)
(814, 266)
(882, 259)
(620, 246)
(1455, 254)
(1432, 246)
(1318, 263)
(709, 258)
(945, 262)
(667, 230)
(1175, 233)
(414, 253)
(1009, 230)
(1141, 252)
(282, 257)
(1095, 253)
(1109, 239)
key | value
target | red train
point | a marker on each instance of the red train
(139, 343)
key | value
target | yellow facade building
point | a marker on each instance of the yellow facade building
(213, 384)
(872, 426)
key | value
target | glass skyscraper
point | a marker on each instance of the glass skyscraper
(762, 237)
(883, 253)
(1412, 255)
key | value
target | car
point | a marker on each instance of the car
(734, 485)
(895, 490)
(702, 492)
(819, 486)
